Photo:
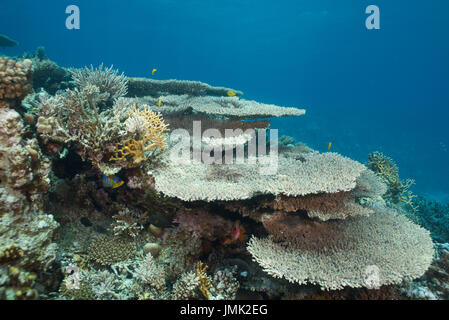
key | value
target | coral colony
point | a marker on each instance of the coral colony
(132, 188)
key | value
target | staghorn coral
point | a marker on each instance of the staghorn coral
(90, 129)
(110, 84)
(75, 117)
(150, 137)
(151, 275)
(396, 246)
(185, 287)
(106, 250)
(15, 80)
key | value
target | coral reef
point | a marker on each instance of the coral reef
(434, 285)
(433, 216)
(15, 81)
(397, 191)
(179, 230)
(140, 87)
(334, 260)
(27, 232)
(110, 85)
(150, 128)
(313, 173)
(109, 250)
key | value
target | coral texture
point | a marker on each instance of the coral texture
(395, 246)
(140, 87)
(15, 80)
(314, 173)
(108, 250)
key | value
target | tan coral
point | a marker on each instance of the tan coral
(150, 139)
(385, 241)
(108, 250)
(15, 79)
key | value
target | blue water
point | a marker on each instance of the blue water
(364, 90)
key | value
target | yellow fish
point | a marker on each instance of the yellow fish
(111, 181)
(159, 102)
(152, 72)
(231, 93)
(131, 79)
(329, 146)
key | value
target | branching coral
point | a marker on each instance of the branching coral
(125, 222)
(110, 84)
(398, 191)
(76, 116)
(150, 128)
(204, 284)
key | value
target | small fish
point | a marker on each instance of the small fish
(160, 221)
(237, 234)
(231, 93)
(111, 181)
(152, 72)
(329, 146)
(159, 102)
(131, 79)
